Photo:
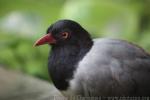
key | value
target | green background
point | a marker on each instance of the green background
(24, 21)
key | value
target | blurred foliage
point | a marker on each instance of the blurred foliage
(24, 21)
(18, 53)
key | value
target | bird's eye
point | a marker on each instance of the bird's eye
(65, 35)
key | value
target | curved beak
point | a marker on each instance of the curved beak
(46, 39)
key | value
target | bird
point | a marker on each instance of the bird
(102, 67)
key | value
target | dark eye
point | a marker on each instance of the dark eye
(65, 35)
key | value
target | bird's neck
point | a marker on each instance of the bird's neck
(63, 62)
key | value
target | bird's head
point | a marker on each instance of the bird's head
(64, 32)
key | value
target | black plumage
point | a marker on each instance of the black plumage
(66, 54)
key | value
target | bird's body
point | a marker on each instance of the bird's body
(81, 66)
(112, 68)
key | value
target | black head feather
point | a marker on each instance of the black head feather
(77, 34)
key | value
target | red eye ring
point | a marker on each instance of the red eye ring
(65, 35)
